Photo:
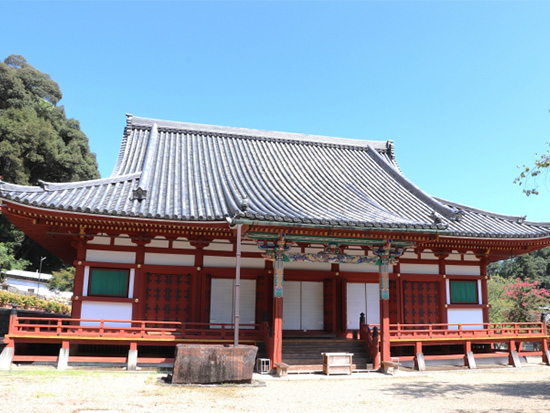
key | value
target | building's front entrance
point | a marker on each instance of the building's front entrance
(362, 298)
(303, 306)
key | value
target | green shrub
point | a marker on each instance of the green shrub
(31, 302)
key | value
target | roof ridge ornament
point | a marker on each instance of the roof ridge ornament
(437, 218)
(139, 194)
(458, 215)
(43, 184)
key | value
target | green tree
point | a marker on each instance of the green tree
(8, 260)
(37, 142)
(534, 265)
(62, 280)
(499, 303)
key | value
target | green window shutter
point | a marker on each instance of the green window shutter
(464, 292)
(109, 282)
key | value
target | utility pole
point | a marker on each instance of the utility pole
(40, 275)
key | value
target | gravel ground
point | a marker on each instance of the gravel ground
(504, 389)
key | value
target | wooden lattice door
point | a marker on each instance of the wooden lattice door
(168, 297)
(421, 302)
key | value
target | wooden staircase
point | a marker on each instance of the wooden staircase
(304, 355)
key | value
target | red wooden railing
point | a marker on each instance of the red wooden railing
(445, 332)
(371, 340)
(126, 329)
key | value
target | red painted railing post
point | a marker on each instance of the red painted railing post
(13, 319)
(544, 345)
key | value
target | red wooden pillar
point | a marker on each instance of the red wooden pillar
(442, 292)
(385, 353)
(78, 290)
(278, 274)
(198, 284)
(545, 358)
(398, 293)
(484, 291)
(511, 348)
(385, 330)
(277, 330)
(138, 305)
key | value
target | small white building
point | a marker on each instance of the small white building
(32, 283)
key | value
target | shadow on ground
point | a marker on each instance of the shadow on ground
(539, 390)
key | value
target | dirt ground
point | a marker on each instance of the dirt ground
(505, 389)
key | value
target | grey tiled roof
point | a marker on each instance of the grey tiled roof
(189, 172)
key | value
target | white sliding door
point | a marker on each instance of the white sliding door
(223, 298)
(362, 298)
(303, 305)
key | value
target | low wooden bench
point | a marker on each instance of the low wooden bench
(282, 369)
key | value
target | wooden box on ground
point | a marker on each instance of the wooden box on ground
(337, 363)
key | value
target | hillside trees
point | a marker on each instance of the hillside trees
(534, 266)
(527, 301)
(37, 142)
(518, 287)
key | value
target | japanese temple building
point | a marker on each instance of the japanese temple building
(318, 230)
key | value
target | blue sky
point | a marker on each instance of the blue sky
(462, 88)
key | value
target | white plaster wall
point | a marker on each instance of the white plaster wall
(294, 250)
(124, 241)
(182, 244)
(252, 262)
(406, 268)
(86, 282)
(313, 250)
(470, 257)
(231, 262)
(100, 239)
(455, 256)
(250, 247)
(313, 266)
(364, 267)
(479, 296)
(131, 283)
(220, 245)
(169, 259)
(355, 253)
(159, 243)
(409, 255)
(465, 316)
(462, 269)
(95, 310)
(122, 257)
(210, 261)
(428, 256)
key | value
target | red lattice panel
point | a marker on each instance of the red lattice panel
(167, 297)
(421, 302)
